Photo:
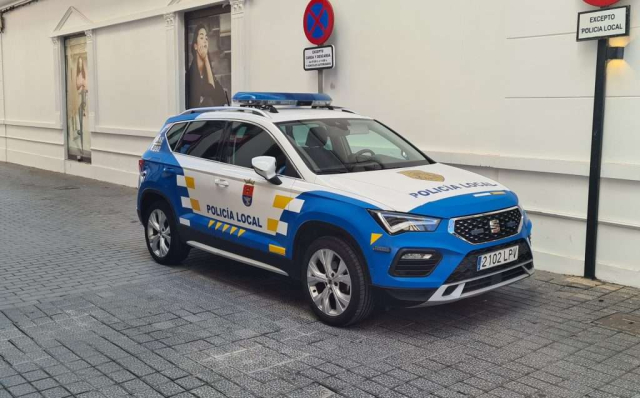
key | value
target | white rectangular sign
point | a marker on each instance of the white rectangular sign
(610, 22)
(319, 58)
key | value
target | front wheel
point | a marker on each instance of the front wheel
(161, 233)
(335, 283)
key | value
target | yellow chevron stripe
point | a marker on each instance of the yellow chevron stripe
(281, 202)
(241, 232)
(191, 183)
(272, 225)
(233, 229)
(218, 225)
(277, 250)
(211, 222)
(225, 228)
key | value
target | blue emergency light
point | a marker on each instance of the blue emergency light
(271, 99)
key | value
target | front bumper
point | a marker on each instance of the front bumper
(466, 281)
(480, 284)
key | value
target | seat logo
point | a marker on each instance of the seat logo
(495, 226)
(247, 192)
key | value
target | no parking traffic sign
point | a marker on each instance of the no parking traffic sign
(318, 21)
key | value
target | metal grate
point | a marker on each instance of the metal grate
(488, 227)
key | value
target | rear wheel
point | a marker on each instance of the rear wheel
(161, 234)
(335, 282)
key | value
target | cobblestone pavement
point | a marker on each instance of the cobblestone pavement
(85, 312)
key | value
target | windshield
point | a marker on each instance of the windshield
(330, 146)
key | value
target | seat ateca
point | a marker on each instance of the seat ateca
(339, 201)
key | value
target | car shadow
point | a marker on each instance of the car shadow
(274, 292)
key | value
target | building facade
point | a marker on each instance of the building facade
(501, 88)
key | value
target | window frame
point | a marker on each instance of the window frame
(226, 135)
(266, 130)
(188, 123)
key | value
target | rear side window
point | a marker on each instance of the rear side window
(173, 135)
(202, 139)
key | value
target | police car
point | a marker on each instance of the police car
(290, 184)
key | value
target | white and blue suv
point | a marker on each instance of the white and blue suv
(290, 184)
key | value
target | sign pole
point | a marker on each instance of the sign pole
(320, 81)
(596, 160)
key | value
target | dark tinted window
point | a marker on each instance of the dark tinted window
(247, 141)
(202, 139)
(173, 135)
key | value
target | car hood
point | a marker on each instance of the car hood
(436, 190)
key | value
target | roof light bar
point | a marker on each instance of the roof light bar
(271, 99)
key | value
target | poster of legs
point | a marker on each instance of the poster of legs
(208, 58)
(78, 136)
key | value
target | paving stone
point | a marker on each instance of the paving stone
(98, 318)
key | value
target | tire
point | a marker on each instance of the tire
(159, 215)
(330, 306)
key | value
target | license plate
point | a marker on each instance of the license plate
(496, 258)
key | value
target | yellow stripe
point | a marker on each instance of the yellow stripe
(375, 237)
(277, 249)
(191, 183)
(225, 228)
(241, 232)
(233, 229)
(211, 222)
(195, 205)
(272, 225)
(218, 225)
(497, 193)
(281, 202)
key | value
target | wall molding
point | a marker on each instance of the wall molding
(126, 131)
(614, 171)
(9, 137)
(172, 7)
(136, 155)
(31, 123)
(581, 218)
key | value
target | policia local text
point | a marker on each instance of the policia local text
(602, 28)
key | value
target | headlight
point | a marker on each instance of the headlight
(402, 222)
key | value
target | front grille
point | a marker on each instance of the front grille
(468, 267)
(488, 227)
(494, 279)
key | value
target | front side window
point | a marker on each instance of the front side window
(247, 141)
(330, 146)
(202, 139)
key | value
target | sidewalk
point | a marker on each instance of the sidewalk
(84, 311)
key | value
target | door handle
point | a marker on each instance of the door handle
(221, 183)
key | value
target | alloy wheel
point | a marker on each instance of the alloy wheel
(159, 233)
(329, 282)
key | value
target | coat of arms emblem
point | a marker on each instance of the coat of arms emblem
(247, 192)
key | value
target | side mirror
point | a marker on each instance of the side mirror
(265, 166)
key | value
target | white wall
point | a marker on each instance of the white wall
(498, 87)
(501, 88)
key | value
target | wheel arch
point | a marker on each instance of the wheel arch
(314, 229)
(150, 196)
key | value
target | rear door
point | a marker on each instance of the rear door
(198, 154)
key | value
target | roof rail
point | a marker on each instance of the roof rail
(225, 109)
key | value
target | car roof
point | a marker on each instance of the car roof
(283, 114)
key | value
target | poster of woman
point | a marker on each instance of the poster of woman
(208, 78)
(78, 138)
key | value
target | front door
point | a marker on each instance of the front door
(255, 204)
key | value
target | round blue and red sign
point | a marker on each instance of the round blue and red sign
(318, 21)
(601, 3)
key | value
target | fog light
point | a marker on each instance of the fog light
(416, 256)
